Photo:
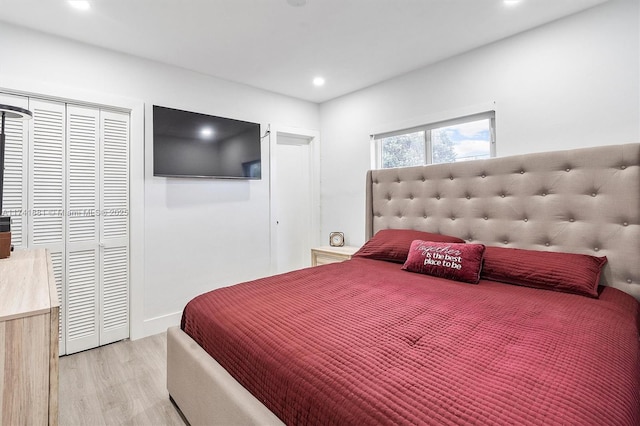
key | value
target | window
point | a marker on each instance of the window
(461, 139)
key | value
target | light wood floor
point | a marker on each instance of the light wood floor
(119, 384)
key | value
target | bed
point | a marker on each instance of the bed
(367, 342)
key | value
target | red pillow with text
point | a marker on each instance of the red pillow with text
(454, 261)
(392, 245)
(565, 272)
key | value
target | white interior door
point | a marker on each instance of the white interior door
(46, 204)
(83, 140)
(294, 198)
(114, 229)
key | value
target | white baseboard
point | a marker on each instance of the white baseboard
(159, 324)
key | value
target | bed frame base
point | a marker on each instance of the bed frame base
(204, 391)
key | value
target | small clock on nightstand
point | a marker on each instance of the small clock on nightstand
(336, 239)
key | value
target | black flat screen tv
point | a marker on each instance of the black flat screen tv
(190, 144)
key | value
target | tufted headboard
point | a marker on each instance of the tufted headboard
(581, 201)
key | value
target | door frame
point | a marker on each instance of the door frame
(313, 136)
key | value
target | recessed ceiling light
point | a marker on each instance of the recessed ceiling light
(80, 4)
(206, 132)
(511, 2)
(318, 81)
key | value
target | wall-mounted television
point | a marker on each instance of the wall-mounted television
(190, 144)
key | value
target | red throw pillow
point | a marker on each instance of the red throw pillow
(393, 245)
(566, 272)
(454, 261)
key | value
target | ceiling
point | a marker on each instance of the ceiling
(275, 46)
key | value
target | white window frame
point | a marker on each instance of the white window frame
(426, 128)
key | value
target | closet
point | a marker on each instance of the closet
(67, 190)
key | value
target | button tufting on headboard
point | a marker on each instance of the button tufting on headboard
(574, 201)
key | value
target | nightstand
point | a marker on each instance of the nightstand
(327, 254)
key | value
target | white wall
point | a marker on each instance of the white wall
(571, 83)
(191, 235)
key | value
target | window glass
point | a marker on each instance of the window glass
(403, 150)
(461, 142)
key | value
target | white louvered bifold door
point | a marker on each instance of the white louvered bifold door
(75, 161)
(14, 202)
(46, 191)
(114, 227)
(83, 304)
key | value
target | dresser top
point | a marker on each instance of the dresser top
(25, 288)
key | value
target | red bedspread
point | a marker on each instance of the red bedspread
(363, 342)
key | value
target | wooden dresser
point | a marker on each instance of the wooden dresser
(29, 312)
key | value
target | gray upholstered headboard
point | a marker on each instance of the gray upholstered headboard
(580, 201)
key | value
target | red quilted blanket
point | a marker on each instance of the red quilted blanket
(363, 342)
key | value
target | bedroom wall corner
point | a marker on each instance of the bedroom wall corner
(571, 83)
